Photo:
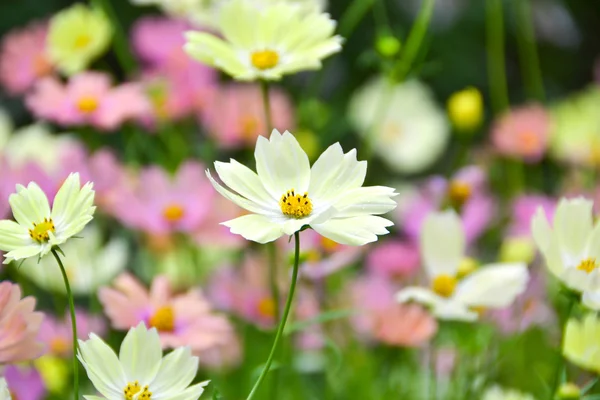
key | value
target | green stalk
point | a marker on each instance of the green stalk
(264, 88)
(281, 326)
(120, 42)
(73, 325)
(560, 365)
(528, 56)
(414, 40)
(495, 56)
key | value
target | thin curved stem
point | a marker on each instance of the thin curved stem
(560, 365)
(264, 88)
(281, 327)
(495, 57)
(73, 325)
(528, 55)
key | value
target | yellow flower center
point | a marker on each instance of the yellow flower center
(264, 59)
(588, 265)
(173, 212)
(39, 233)
(249, 126)
(59, 346)
(82, 41)
(266, 307)
(295, 205)
(134, 388)
(87, 104)
(444, 285)
(163, 319)
(459, 192)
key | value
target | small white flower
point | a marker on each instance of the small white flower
(38, 228)
(572, 247)
(288, 194)
(452, 297)
(140, 371)
(265, 43)
(90, 263)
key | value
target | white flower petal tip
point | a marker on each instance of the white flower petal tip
(140, 366)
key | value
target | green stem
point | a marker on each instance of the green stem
(414, 40)
(264, 88)
(528, 56)
(73, 325)
(120, 42)
(272, 256)
(286, 312)
(560, 365)
(495, 56)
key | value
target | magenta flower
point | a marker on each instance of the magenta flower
(160, 204)
(235, 116)
(24, 383)
(57, 334)
(185, 319)
(522, 133)
(88, 99)
(382, 319)
(466, 191)
(23, 58)
(394, 259)
(19, 325)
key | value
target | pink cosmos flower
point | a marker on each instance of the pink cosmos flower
(87, 99)
(23, 58)
(181, 319)
(466, 191)
(394, 259)
(235, 116)
(320, 257)
(160, 204)
(57, 334)
(24, 383)
(310, 338)
(381, 318)
(523, 133)
(529, 309)
(244, 291)
(523, 209)
(19, 325)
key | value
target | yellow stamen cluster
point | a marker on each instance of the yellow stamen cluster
(82, 41)
(87, 104)
(444, 285)
(134, 388)
(588, 265)
(173, 212)
(249, 126)
(266, 307)
(39, 233)
(264, 59)
(163, 319)
(59, 346)
(295, 205)
(459, 192)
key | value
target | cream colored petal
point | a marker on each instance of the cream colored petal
(591, 300)
(441, 307)
(73, 207)
(255, 227)
(103, 366)
(353, 231)
(493, 286)
(29, 205)
(575, 279)
(239, 200)
(442, 243)
(541, 230)
(176, 372)
(371, 200)
(191, 393)
(245, 182)
(281, 164)
(13, 236)
(27, 251)
(141, 354)
(573, 225)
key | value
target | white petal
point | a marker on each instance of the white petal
(29, 205)
(441, 307)
(281, 164)
(13, 235)
(103, 366)
(541, 230)
(334, 173)
(245, 182)
(573, 225)
(27, 251)
(353, 231)
(575, 279)
(191, 393)
(493, 286)
(370, 200)
(239, 200)
(591, 300)
(442, 243)
(73, 206)
(141, 354)
(176, 372)
(255, 227)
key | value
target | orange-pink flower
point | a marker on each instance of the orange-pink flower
(181, 319)
(408, 325)
(19, 325)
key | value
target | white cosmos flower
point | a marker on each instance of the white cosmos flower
(450, 296)
(287, 194)
(89, 263)
(38, 228)
(140, 371)
(265, 43)
(571, 248)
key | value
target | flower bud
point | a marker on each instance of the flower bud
(465, 109)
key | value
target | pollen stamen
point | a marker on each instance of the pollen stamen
(264, 59)
(588, 265)
(295, 205)
(40, 232)
(134, 388)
